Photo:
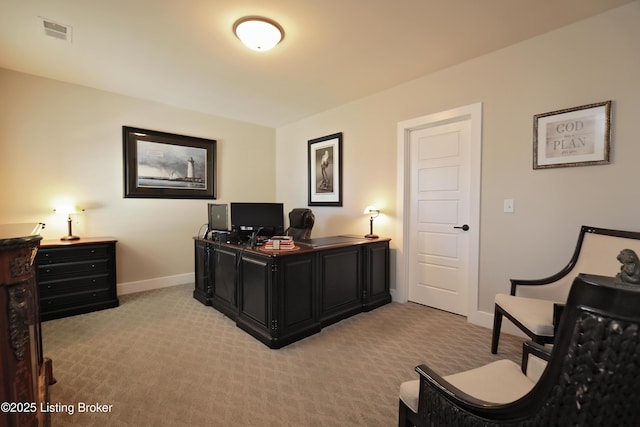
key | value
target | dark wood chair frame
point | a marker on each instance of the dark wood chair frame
(543, 339)
(592, 377)
(408, 418)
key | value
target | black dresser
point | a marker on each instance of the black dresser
(76, 277)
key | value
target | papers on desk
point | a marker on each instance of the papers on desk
(282, 243)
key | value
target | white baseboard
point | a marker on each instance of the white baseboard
(157, 283)
(482, 318)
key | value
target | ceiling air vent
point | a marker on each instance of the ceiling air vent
(55, 30)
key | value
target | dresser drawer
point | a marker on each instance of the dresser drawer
(74, 300)
(56, 255)
(80, 284)
(76, 277)
(73, 269)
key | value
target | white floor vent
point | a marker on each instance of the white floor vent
(55, 30)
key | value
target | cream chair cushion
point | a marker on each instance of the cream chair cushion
(535, 367)
(499, 382)
(409, 392)
(535, 314)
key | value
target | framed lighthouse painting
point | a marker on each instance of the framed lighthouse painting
(325, 170)
(166, 165)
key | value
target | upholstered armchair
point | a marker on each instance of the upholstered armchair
(301, 221)
(479, 383)
(531, 304)
(592, 377)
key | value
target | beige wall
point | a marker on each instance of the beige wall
(62, 141)
(59, 140)
(592, 61)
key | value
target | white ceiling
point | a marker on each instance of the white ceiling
(183, 53)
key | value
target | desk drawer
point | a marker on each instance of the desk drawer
(55, 255)
(80, 284)
(73, 269)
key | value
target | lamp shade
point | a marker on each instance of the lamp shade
(371, 210)
(260, 34)
(68, 210)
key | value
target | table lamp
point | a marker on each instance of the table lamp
(373, 212)
(69, 211)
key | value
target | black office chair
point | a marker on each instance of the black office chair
(301, 222)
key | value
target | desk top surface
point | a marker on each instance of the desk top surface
(334, 240)
(305, 246)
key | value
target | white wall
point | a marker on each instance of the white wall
(62, 141)
(591, 61)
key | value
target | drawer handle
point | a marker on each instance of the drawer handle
(93, 266)
(48, 270)
(93, 251)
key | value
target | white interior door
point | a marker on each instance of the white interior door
(440, 217)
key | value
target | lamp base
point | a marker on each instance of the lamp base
(371, 236)
(70, 238)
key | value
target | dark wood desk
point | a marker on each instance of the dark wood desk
(282, 296)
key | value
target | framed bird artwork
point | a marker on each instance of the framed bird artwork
(325, 170)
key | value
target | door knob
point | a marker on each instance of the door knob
(463, 227)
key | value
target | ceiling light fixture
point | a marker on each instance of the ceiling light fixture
(258, 33)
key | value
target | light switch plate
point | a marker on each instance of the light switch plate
(509, 206)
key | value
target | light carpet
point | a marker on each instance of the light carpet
(164, 359)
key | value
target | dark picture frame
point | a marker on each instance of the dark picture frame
(325, 170)
(578, 136)
(168, 166)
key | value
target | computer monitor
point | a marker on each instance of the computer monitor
(266, 219)
(218, 217)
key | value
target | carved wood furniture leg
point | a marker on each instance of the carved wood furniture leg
(48, 365)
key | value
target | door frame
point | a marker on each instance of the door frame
(472, 112)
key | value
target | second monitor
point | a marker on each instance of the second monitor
(266, 219)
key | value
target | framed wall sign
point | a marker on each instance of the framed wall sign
(165, 165)
(325, 170)
(572, 137)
